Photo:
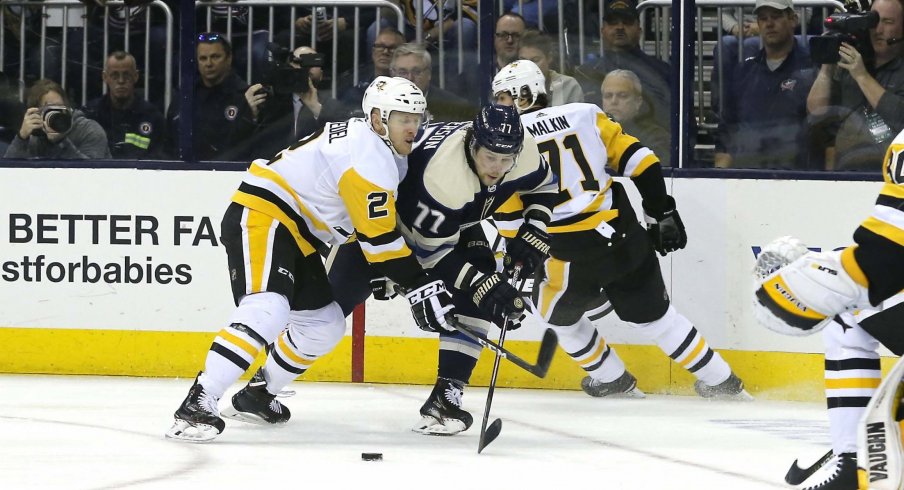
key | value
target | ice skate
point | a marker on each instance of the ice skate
(255, 405)
(730, 389)
(441, 414)
(198, 418)
(840, 473)
(625, 386)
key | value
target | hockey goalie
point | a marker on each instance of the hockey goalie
(800, 292)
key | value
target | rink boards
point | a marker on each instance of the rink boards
(120, 271)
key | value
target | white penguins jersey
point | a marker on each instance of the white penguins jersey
(579, 141)
(333, 186)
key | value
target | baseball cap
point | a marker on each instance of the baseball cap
(776, 4)
(620, 8)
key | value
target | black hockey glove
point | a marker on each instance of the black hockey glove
(495, 296)
(430, 304)
(528, 249)
(383, 288)
(667, 233)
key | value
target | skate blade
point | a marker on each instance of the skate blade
(632, 393)
(429, 426)
(186, 432)
(249, 418)
(743, 396)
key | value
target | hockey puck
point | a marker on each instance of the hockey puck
(372, 456)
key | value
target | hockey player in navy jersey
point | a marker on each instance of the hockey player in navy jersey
(336, 185)
(458, 175)
(598, 246)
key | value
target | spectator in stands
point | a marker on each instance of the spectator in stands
(531, 13)
(746, 26)
(623, 101)
(863, 98)
(294, 112)
(52, 130)
(413, 62)
(351, 94)
(223, 121)
(432, 27)
(621, 34)
(764, 115)
(322, 19)
(509, 29)
(11, 110)
(541, 49)
(135, 128)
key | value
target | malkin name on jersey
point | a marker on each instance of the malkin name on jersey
(546, 126)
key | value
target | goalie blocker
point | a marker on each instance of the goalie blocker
(880, 449)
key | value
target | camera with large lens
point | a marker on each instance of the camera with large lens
(281, 77)
(57, 117)
(845, 27)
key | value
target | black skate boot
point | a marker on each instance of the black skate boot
(624, 386)
(255, 405)
(441, 414)
(840, 473)
(198, 418)
(730, 389)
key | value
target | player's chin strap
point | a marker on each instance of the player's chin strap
(880, 449)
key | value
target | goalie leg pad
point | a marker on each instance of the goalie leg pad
(802, 297)
(880, 449)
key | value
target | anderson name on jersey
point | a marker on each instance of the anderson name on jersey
(324, 195)
(442, 195)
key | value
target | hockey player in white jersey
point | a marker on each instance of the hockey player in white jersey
(857, 293)
(599, 248)
(336, 185)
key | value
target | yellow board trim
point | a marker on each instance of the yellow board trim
(767, 375)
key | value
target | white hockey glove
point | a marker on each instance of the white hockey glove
(880, 453)
(804, 289)
(430, 304)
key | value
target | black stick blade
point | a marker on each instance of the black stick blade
(797, 475)
(547, 351)
(490, 435)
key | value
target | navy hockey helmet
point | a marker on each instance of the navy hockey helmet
(498, 129)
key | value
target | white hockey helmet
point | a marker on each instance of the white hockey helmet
(390, 94)
(520, 78)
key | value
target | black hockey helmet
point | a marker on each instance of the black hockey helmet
(498, 129)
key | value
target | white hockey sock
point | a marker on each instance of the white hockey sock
(678, 338)
(853, 373)
(231, 354)
(311, 334)
(587, 347)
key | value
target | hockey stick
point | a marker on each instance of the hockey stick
(489, 434)
(544, 356)
(797, 475)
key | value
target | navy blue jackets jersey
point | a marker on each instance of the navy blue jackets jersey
(441, 195)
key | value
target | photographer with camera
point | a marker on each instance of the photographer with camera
(857, 100)
(288, 106)
(51, 129)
